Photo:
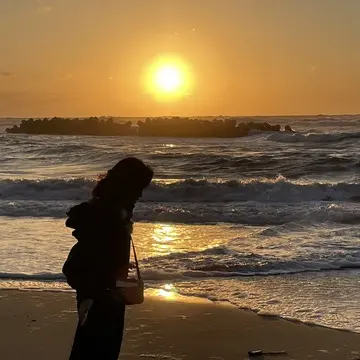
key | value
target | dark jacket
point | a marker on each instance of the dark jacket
(101, 255)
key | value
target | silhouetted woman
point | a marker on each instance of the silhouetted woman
(100, 258)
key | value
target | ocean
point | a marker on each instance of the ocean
(270, 222)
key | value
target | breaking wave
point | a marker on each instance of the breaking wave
(244, 213)
(261, 190)
(217, 262)
(314, 137)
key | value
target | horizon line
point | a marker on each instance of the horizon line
(179, 116)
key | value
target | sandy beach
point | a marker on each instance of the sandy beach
(40, 325)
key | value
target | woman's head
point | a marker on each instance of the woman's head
(124, 182)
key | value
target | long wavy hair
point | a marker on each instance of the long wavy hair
(127, 179)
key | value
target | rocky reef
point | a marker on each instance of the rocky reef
(66, 126)
(162, 127)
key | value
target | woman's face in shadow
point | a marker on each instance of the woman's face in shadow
(128, 195)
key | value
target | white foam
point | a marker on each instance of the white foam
(313, 137)
(247, 213)
(259, 189)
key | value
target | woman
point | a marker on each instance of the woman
(100, 258)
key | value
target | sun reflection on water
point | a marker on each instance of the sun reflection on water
(163, 236)
(161, 239)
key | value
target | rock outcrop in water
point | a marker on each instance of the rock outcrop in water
(65, 126)
(164, 127)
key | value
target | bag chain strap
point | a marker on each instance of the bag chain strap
(136, 261)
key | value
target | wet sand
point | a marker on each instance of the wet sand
(40, 325)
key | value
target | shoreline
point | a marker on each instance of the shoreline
(162, 295)
(43, 323)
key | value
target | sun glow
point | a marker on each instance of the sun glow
(168, 78)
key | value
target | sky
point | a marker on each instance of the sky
(244, 57)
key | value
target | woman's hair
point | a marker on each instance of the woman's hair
(128, 177)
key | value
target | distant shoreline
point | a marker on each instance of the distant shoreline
(208, 117)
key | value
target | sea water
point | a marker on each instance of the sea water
(270, 222)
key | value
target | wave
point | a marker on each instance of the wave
(208, 265)
(189, 191)
(246, 213)
(293, 165)
(313, 137)
(44, 276)
(46, 189)
(252, 157)
(223, 262)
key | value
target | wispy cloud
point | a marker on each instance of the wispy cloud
(45, 9)
(66, 77)
(43, 6)
(7, 74)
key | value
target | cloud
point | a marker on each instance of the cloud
(43, 6)
(66, 77)
(45, 9)
(7, 74)
(25, 99)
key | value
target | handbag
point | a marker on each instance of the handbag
(131, 291)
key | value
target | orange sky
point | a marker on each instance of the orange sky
(247, 57)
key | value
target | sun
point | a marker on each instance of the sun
(168, 77)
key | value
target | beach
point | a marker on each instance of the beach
(268, 222)
(208, 149)
(40, 325)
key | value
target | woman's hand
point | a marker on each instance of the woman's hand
(84, 309)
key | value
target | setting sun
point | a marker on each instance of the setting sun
(188, 159)
(168, 78)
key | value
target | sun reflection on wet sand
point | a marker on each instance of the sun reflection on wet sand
(167, 292)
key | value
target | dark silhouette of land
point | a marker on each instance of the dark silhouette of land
(165, 127)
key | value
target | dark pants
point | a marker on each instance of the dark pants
(101, 336)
